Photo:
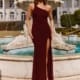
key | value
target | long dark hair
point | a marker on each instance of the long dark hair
(37, 1)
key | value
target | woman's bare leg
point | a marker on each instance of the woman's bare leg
(47, 50)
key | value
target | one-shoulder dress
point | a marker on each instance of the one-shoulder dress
(41, 32)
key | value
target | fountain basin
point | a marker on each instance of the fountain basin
(20, 67)
(16, 66)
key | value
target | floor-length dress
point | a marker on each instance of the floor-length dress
(41, 32)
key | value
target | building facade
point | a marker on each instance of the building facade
(10, 12)
(69, 6)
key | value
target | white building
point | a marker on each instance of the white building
(9, 11)
(69, 6)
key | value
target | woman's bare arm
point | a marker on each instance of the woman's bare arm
(29, 20)
(51, 21)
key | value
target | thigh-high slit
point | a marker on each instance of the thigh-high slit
(42, 62)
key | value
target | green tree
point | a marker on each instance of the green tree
(67, 20)
(77, 16)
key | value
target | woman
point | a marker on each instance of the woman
(40, 23)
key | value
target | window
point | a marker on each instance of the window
(11, 3)
(1, 15)
(23, 16)
(76, 3)
(1, 3)
(12, 15)
(67, 4)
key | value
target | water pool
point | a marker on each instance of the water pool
(28, 51)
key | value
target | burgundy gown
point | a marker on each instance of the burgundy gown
(41, 32)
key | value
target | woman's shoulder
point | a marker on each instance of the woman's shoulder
(31, 5)
(48, 7)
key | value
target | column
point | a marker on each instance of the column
(4, 11)
(79, 4)
(73, 5)
(58, 16)
(15, 9)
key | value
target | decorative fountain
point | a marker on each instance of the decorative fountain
(15, 67)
